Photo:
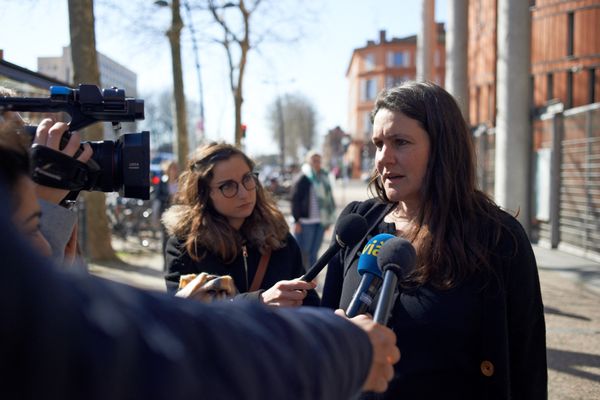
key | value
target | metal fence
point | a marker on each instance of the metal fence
(565, 190)
(567, 179)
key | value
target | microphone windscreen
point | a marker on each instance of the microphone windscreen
(398, 254)
(367, 262)
(350, 229)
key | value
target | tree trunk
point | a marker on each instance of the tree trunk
(237, 97)
(238, 94)
(174, 35)
(85, 70)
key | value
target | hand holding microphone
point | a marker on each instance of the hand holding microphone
(349, 230)
(396, 259)
(287, 293)
(371, 276)
(385, 352)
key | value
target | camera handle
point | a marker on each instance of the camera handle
(55, 169)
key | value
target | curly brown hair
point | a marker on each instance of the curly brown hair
(203, 229)
(457, 225)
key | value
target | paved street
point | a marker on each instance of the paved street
(570, 288)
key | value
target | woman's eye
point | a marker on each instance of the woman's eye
(378, 144)
(227, 186)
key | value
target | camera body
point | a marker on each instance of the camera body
(121, 166)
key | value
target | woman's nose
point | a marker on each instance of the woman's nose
(242, 191)
(386, 155)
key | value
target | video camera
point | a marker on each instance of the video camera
(122, 166)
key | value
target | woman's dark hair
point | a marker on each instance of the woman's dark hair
(203, 227)
(14, 157)
(456, 223)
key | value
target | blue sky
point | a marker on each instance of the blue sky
(315, 67)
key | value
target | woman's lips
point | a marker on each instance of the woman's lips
(394, 178)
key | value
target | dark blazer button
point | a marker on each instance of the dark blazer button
(487, 368)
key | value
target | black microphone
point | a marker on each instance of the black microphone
(396, 259)
(348, 231)
(371, 276)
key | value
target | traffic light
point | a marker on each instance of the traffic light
(243, 130)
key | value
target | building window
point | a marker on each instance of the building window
(531, 91)
(490, 105)
(569, 89)
(549, 86)
(570, 32)
(369, 62)
(398, 59)
(369, 89)
(478, 104)
(592, 85)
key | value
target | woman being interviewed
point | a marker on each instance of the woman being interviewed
(224, 223)
(469, 319)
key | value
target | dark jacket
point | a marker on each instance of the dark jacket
(284, 264)
(301, 197)
(67, 336)
(512, 319)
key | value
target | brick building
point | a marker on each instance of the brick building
(565, 112)
(565, 55)
(376, 66)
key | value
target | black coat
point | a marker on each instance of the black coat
(284, 264)
(512, 334)
(301, 197)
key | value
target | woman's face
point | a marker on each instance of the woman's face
(401, 157)
(226, 175)
(27, 216)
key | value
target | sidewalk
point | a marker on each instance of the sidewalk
(571, 295)
(139, 266)
(570, 290)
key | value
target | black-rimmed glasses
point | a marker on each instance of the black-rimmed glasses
(230, 188)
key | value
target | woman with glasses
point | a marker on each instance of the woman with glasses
(224, 223)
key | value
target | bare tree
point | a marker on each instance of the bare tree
(146, 27)
(85, 70)
(238, 67)
(293, 119)
(236, 26)
(247, 32)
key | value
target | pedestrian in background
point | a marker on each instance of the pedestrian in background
(225, 223)
(313, 207)
(470, 318)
